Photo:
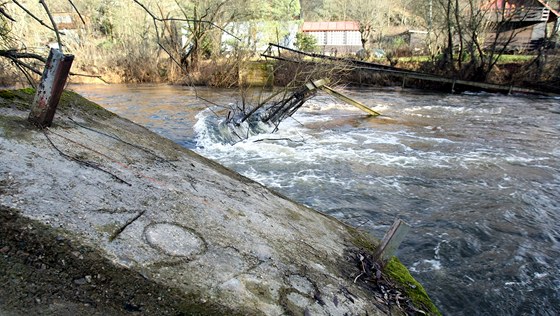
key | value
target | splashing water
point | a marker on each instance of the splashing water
(476, 175)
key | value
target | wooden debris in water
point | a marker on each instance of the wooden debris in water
(391, 241)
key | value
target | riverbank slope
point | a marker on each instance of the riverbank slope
(101, 216)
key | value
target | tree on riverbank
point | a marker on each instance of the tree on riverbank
(376, 18)
(121, 41)
(475, 34)
(107, 37)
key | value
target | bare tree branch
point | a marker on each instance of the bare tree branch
(44, 4)
(32, 15)
(77, 11)
(26, 74)
(185, 20)
(3, 12)
(89, 76)
(25, 65)
(15, 54)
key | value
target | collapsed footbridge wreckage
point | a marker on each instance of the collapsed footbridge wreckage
(242, 124)
(439, 83)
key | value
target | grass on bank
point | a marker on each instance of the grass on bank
(399, 274)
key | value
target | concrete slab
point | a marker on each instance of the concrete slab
(159, 215)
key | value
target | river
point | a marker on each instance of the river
(477, 176)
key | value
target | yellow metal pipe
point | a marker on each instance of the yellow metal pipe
(349, 100)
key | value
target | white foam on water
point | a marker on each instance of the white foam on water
(426, 265)
(444, 161)
(515, 283)
(320, 106)
(389, 182)
(272, 179)
(437, 248)
(435, 108)
(294, 143)
(446, 110)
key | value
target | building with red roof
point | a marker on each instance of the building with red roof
(335, 37)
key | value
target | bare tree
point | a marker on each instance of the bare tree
(375, 17)
(477, 33)
(12, 46)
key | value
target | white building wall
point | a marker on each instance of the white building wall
(337, 38)
(353, 38)
(320, 37)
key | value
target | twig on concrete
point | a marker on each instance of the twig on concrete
(82, 162)
(359, 275)
(123, 227)
(159, 158)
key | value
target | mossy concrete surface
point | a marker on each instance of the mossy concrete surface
(101, 216)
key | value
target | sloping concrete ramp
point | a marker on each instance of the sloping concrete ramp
(179, 229)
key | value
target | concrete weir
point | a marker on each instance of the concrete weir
(100, 216)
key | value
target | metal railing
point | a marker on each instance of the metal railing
(522, 14)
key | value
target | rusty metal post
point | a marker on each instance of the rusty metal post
(391, 242)
(50, 88)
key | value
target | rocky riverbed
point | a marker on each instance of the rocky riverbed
(101, 216)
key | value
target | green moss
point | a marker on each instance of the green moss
(261, 291)
(19, 94)
(70, 99)
(515, 58)
(7, 94)
(28, 91)
(192, 306)
(363, 240)
(413, 290)
(397, 272)
(108, 228)
(21, 98)
(294, 216)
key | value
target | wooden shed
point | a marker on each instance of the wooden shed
(519, 25)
